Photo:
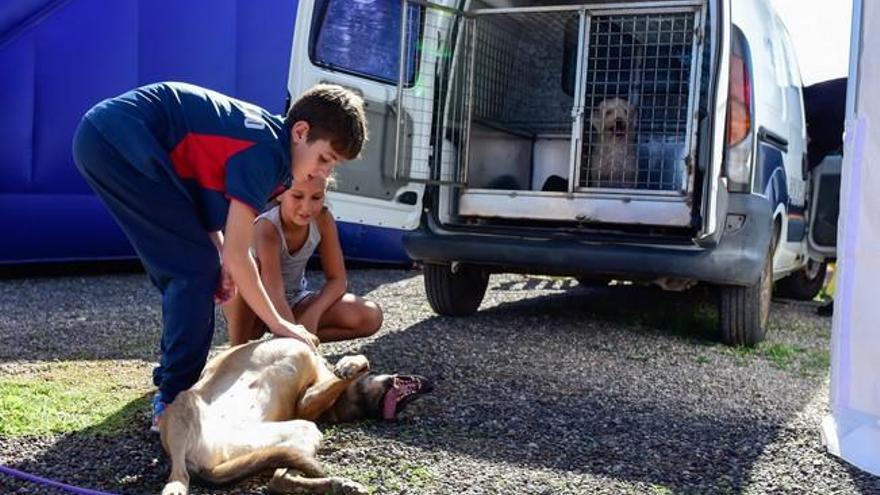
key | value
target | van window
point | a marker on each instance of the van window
(363, 37)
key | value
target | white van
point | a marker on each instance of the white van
(658, 141)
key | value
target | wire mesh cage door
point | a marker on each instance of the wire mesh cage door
(433, 101)
(640, 86)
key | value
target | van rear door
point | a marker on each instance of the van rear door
(360, 45)
(713, 129)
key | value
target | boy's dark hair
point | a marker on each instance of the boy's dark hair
(335, 114)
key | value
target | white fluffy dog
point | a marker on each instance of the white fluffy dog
(613, 158)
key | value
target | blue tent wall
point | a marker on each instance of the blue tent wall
(58, 58)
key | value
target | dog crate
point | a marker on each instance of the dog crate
(572, 112)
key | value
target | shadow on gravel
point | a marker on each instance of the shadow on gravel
(689, 314)
(101, 316)
(562, 382)
(866, 484)
(119, 456)
(566, 381)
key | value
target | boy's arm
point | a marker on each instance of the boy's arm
(333, 265)
(237, 259)
(226, 288)
(267, 244)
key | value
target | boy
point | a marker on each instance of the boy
(174, 163)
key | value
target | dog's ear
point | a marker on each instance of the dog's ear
(362, 399)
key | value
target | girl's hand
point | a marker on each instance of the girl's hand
(225, 287)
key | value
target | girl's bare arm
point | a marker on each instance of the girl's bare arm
(332, 263)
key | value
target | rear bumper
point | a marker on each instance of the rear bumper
(736, 260)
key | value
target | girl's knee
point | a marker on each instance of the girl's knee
(372, 318)
(242, 325)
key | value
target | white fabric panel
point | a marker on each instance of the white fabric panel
(853, 429)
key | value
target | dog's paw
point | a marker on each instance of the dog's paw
(351, 366)
(342, 486)
(175, 488)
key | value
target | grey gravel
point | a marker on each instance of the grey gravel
(551, 388)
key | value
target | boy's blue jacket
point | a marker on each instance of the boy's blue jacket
(213, 147)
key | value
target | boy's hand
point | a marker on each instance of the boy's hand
(287, 329)
(225, 288)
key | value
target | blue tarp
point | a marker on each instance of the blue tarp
(58, 58)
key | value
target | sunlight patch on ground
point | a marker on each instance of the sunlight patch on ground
(62, 397)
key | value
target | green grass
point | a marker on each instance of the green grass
(73, 396)
(781, 355)
(384, 475)
(806, 361)
(660, 490)
(816, 361)
(742, 356)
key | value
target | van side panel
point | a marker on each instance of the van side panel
(779, 120)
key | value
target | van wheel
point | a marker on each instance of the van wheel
(743, 312)
(804, 284)
(455, 294)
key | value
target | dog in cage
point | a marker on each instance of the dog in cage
(613, 161)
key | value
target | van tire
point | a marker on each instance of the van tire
(456, 293)
(744, 312)
(804, 284)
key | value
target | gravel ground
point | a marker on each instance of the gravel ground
(551, 388)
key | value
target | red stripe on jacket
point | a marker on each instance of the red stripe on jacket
(203, 157)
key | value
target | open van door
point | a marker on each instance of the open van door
(824, 208)
(825, 112)
(713, 130)
(363, 46)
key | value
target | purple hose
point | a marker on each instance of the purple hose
(44, 481)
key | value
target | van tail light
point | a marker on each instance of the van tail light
(739, 99)
(738, 156)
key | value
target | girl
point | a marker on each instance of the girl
(284, 239)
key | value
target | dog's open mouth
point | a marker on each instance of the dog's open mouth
(404, 389)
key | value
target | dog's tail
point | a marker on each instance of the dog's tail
(261, 460)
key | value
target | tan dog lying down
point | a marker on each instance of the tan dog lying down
(253, 409)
